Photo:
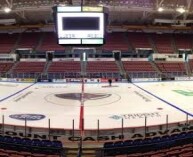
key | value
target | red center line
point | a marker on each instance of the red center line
(81, 123)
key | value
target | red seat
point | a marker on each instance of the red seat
(64, 66)
(139, 40)
(163, 43)
(116, 41)
(183, 41)
(7, 42)
(5, 67)
(102, 66)
(138, 66)
(49, 43)
(29, 67)
(29, 40)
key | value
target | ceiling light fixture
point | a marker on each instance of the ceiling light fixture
(160, 9)
(7, 10)
(180, 10)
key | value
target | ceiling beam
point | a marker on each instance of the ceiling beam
(9, 3)
(160, 3)
(21, 14)
(189, 3)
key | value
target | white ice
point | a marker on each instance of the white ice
(126, 101)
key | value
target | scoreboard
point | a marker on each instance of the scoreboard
(80, 25)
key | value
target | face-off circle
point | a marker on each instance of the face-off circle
(74, 99)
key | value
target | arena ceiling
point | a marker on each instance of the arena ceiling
(121, 12)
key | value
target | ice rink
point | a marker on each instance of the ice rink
(61, 103)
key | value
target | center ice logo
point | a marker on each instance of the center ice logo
(87, 96)
(29, 117)
(183, 92)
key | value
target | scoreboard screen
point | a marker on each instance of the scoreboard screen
(80, 25)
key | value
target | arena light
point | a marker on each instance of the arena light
(180, 10)
(160, 9)
(7, 10)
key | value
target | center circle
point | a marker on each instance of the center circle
(90, 99)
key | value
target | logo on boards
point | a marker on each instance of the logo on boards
(28, 117)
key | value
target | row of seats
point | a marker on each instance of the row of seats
(148, 144)
(116, 41)
(62, 67)
(32, 146)
(5, 66)
(137, 66)
(92, 67)
(191, 64)
(7, 42)
(102, 66)
(169, 67)
(180, 151)
(11, 153)
(29, 67)
(164, 43)
(29, 40)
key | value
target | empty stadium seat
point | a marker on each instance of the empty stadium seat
(49, 43)
(163, 43)
(29, 67)
(116, 41)
(7, 42)
(5, 66)
(183, 41)
(139, 40)
(29, 40)
(177, 68)
(64, 66)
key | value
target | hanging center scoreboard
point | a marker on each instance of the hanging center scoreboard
(80, 25)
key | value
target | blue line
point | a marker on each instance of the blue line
(164, 100)
(17, 92)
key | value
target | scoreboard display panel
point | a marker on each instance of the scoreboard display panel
(80, 25)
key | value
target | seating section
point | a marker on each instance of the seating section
(183, 41)
(64, 66)
(25, 147)
(102, 66)
(163, 43)
(29, 67)
(167, 145)
(191, 64)
(180, 151)
(29, 40)
(171, 67)
(49, 43)
(5, 67)
(7, 42)
(139, 40)
(138, 66)
(116, 41)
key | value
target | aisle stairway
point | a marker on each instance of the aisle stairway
(83, 66)
(86, 152)
(13, 67)
(121, 69)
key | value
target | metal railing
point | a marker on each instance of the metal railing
(132, 74)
